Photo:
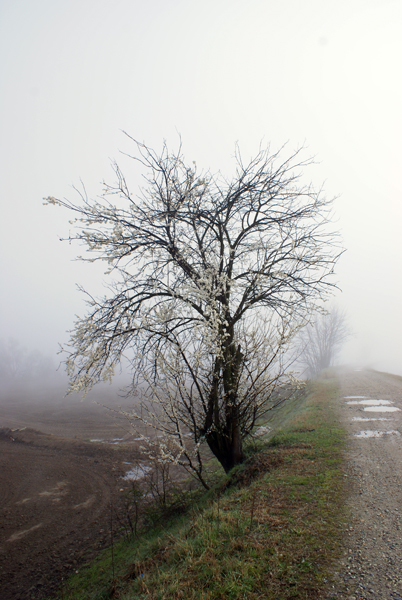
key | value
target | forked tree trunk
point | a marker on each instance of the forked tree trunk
(227, 447)
(224, 438)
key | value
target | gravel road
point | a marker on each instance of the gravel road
(371, 565)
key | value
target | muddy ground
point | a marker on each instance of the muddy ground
(58, 489)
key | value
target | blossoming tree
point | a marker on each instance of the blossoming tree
(212, 279)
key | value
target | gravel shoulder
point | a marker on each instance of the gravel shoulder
(371, 565)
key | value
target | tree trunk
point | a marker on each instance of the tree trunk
(228, 449)
(224, 438)
(237, 456)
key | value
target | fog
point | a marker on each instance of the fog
(319, 74)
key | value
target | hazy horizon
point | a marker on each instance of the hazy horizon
(319, 75)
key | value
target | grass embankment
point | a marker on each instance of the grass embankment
(389, 375)
(269, 530)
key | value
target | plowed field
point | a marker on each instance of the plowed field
(61, 495)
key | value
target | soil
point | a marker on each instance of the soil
(371, 562)
(62, 496)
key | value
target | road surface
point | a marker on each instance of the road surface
(371, 410)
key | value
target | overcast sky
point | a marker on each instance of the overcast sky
(318, 73)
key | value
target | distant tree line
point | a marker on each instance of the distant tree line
(17, 363)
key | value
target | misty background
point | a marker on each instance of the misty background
(321, 74)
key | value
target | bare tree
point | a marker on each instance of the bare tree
(321, 342)
(212, 280)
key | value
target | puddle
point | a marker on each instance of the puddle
(370, 402)
(370, 419)
(120, 440)
(86, 504)
(55, 493)
(137, 473)
(262, 430)
(369, 433)
(381, 409)
(23, 501)
(17, 536)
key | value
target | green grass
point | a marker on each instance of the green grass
(271, 529)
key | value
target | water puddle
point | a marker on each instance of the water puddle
(85, 504)
(370, 402)
(56, 493)
(381, 409)
(370, 419)
(262, 430)
(113, 441)
(369, 433)
(23, 501)
(137, 473)
(17, 536)
(116, 441)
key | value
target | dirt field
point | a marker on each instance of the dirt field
(56, 486)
